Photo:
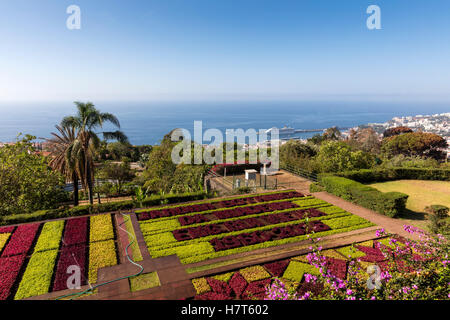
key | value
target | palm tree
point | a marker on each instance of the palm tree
(62, 158)
(87, 121)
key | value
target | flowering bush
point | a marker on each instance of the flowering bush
(21, 240)
(409, 270)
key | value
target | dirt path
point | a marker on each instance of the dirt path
(389, 224)
(288, 180)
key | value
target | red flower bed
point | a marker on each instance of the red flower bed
(238, 284)
(187, 220)
(316, 288)
(9, 270)
(243, 224)
(168, 212)
(256, 289)
(218, 286)
(70, 255)
(277, 268)
(21, 240)
(257, 209)
(372, 254)
(6, 229)
(213, 296)
(246, 239)
(337, 267)
(76, 231)
(181, 235)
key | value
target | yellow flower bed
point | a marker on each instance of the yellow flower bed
(101, 228)
(101, 254)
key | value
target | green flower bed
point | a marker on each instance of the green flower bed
(37, 277)
(50, 237)
(296, 270)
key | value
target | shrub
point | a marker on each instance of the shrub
(315, 187)
(390, 203)
(100, 208)
(242, 190)
(379, 175)
(438, 210)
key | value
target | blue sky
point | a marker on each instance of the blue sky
(223, 49)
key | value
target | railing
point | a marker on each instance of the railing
(300, 172)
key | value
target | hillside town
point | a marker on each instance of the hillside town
(436, 123)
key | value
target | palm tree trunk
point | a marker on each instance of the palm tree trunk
(75, 189)
(89, 184)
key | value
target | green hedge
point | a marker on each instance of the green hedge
(315, 187)
(99, 208)
(377, 175)
(389, 203)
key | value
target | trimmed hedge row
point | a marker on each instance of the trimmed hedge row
(377, 175)
(389, 203)
(100, 208)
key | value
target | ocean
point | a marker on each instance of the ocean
(148, 122)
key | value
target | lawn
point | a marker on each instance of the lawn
(219, 228)
(421, 193)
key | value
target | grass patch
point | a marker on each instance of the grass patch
(136, 254)
(421, 193)
(144, 281)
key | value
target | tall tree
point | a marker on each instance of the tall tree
(365, 139)
(87, 121)
(27, 183)
(63, 160)
(422, 144)
(396, 131)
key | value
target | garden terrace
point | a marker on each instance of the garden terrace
(34, 257)
(251, 282)
(225, 227)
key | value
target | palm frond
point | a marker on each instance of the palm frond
(116, 135)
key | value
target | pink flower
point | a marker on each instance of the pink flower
(380, 232)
